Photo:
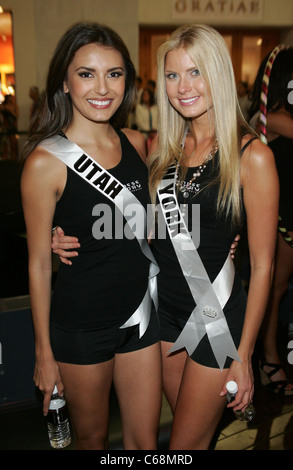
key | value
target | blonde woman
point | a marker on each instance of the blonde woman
(205, 156)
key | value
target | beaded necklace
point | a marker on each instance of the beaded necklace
(186, 188)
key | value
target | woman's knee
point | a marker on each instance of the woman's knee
(91, 441)
(143, 440)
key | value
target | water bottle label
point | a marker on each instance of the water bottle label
(57, 417)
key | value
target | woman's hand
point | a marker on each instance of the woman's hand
(46, 376)
(234, 246)
(242, 374)
(61, 243)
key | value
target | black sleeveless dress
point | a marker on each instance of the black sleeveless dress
(107, 281)
(216, 237)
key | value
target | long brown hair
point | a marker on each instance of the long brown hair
(57, 112)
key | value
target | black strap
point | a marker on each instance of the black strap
(247, 144)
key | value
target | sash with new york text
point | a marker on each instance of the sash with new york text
(210, 298)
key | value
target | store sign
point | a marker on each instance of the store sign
(224, 9)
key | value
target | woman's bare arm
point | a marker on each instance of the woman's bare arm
(261, 197)
(39, 195)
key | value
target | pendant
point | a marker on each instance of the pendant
(186, 194)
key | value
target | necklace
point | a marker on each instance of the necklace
(186, 188)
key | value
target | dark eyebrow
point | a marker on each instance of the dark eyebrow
(112, 69)
(84, 67)
(92, 69)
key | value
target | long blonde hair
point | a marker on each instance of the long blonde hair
(208, 50)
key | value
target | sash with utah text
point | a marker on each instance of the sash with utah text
(94, 174)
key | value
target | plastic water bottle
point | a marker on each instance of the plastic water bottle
(249, 413)
(58, 422)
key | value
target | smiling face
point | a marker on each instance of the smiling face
(96, 83)
(188, 93)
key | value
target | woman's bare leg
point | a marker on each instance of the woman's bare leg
(173, 367)
(138, 385)
(199, 407)
(87, 389)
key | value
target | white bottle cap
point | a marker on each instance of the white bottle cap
(56, 401)
(232, 387)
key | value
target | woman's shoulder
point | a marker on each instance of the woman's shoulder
(252, 145)
(42, 163)
(257, 156)
(39, 156)
(43, 175)
(137, 140)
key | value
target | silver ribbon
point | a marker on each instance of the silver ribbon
(210, 298)
(82, 164)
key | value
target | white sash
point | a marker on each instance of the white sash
(210, 298)
(94, 174)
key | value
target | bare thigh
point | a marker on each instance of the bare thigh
(173, 368)
(138, 385)
(199, 407)
(87, 389)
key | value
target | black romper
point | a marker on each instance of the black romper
(107, 281)
(216, 236)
